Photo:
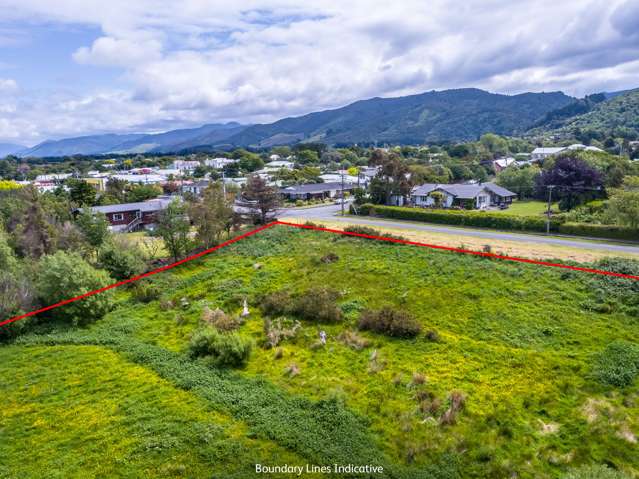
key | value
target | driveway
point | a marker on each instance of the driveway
(331, 212)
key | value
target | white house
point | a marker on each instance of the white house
(55, 178)
(482, 195)
(540, 154)
(219, 163)
(185, 165)
(502, 163)
(279, 164)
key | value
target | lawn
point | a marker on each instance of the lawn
(516, 341)
(528, 208)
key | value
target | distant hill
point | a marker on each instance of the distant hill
(436, 116)
(10, 149)
(450, 115)
(171, 141)
(621, 111)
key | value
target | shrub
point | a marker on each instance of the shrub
(120, 263)
(599, 231)
(456, 402)
(433, 336)
(365, 230)
(221, 350)
(145, 291)
(276, 303)
(219, 319)
(318, 304)
(65, 275)
(595, 471)
(618, 364)
(390, 322)
(353, 340)
(329, 258)
(279, 329)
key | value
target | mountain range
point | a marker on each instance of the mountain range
(435, 116)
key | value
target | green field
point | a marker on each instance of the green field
(528, 208)
(121, 398)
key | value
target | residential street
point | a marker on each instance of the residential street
(331, 212)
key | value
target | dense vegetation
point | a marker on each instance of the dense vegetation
(499, 369)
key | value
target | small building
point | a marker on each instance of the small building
(540, 154)
(185, 165)
(57, 178)
(132, 216)
(502, 163)
(195, 187)
(279, 164)
(219, 163)
(150, 179)
(316, 191)
(481, 195)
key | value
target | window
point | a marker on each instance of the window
(118, 216)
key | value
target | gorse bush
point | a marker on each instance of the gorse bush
(390, 321)
(65, 275)
(618, 364)
(218, 349)
(318, 304)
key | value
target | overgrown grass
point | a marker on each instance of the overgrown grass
(517, 342)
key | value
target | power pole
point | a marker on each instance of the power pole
(342, 200)
(223, 184)
(550, 187)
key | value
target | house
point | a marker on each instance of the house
(316, 191)
(99, 183)
(482, 195)
(219, 163)
(150, 179)
(502, 163)
(185, 165)
(196, 187)
(131, 216)
(279, 164)
(540, 154)
(55, 178)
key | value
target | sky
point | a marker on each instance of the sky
(75, 67)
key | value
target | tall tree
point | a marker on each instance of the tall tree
(623, 205)
(391, 179)
(81, 192)
(211, 215)
(94, 227)
(265, 199)
(173, 226)
(519, 180)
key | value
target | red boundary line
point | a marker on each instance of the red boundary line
(317, 228)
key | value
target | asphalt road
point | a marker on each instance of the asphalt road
(330, 212)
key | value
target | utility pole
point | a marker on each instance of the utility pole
(223, 184)
(342, 200)
(550, 187)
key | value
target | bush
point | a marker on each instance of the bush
(66, 275)
(365, 230)
(221, 350)
(618, 364)
(120, 263)
(600, 231)
(279, 329)
(219, 319)
(318, 304)
(464, 218)
(145, 291)
(390, 322)
(276, 303)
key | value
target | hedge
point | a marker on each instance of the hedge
(462, 218)
(600, 231)
(502, 221)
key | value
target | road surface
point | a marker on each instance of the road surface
(331, 212)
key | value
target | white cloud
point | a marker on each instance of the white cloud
(8, 85)
(205, 61)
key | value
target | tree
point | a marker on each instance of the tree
(94, 227)
(81, 192)
(391, 179)
(265, 198)
(65, 275)
(137, 193)
(519, 180)
(121, 261)
(212, 215)
(8, 259)
(575, 181)
(173, 226)
(623, 205)
(115, 188)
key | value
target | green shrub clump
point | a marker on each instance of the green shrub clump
(66, 275)
(120, 263)
(594, 472)
(316, 304)
(218, 349)
(618, 364)
(390, 321)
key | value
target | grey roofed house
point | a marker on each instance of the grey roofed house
(484, 194)
(143, 206)
(315, 190)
